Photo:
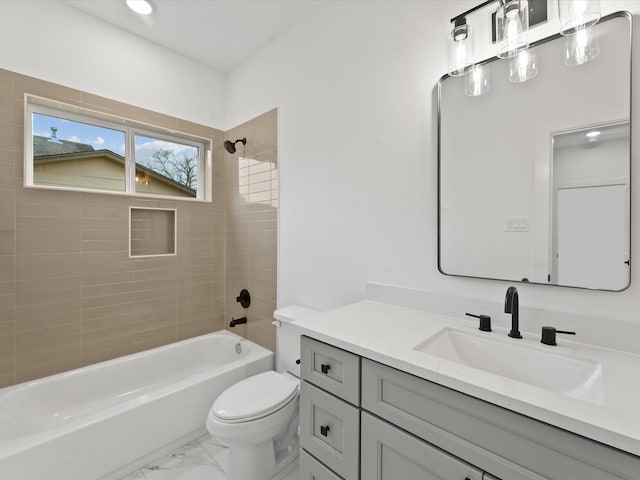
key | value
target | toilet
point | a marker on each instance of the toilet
(257, 418)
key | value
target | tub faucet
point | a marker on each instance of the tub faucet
(511, 306)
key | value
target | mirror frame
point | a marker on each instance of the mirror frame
(611, 16)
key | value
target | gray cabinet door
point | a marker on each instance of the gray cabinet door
(388, 453)
(507, 444)
(312, 469)
(332, 369)
(330, 430)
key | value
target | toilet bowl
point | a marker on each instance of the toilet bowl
(257, 418)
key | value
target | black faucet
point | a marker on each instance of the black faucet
(511, 306)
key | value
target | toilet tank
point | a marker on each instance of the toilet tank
(288, 337)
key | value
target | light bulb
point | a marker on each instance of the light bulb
(476, 81)
(581, 47)
(512, 20)
(577, 14)
(460, 52)
(140, 6)
(523, 67)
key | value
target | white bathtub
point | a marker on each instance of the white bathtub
(109, 418)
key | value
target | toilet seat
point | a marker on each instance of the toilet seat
(254, 397)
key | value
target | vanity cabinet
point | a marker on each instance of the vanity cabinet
(329, 412)
(370, 421)
(507, 444)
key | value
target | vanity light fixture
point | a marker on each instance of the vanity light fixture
(140, 6)
(512, 24)
(593, 134)
(460, 47)
(576, 19)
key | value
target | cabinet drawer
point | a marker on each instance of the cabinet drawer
(330, 430)
(497, 440)
(389, 453)
(331, 368)
(312, 469)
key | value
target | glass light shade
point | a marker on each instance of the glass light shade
(476, 81)
(460, 49)
(581, 47)
(577, 14)
(512, 24)
(523, 67)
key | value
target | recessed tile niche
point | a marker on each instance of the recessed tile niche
(152, 232)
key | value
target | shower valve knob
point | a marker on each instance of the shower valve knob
(244, 298)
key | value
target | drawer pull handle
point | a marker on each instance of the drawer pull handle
(325, 368)
(324, 430)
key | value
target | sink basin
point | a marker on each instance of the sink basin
(569, 375)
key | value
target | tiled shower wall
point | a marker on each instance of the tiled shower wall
(252, 204)
(69, 294)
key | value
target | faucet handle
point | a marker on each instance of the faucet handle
(549, 335)
(485, 321)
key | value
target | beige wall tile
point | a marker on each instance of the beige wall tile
(69, 293)
(30, 267)
(106, 105)
(47, 315)
(51, 368)
(7, 268)
(154, 338)
(121, 346)
(7, 368)
(7, 380)
(42, 352)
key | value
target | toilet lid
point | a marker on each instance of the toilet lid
(255, 397)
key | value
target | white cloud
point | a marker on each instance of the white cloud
(145, 150)
(98, 141)
(74, 138)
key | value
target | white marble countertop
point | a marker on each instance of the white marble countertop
(388, 334)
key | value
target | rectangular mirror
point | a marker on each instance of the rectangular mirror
(534, 176)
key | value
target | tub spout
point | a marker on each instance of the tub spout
(237, 321)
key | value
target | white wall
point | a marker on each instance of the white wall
(357, 153)
(52, 41)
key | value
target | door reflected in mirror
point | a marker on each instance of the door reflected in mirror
(534, 176)
(591, 207)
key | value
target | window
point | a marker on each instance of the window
(166, 167)
(72, 148)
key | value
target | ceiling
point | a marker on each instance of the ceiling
(218, 33)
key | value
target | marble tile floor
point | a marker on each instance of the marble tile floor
(197, 460)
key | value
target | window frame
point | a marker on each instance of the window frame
(130, 128)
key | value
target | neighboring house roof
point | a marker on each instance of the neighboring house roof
(46, 151)
(45, 146)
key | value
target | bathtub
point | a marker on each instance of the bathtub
(110, 418)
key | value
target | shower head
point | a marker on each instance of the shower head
(230, 146)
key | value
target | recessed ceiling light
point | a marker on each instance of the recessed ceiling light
(593, 134)
(140, 6)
